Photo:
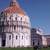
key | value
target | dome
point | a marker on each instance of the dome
(14, 8)
(14, 15)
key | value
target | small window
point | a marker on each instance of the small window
(10, 37)
(16, 36)
(22, 27)
(14, 27)
(10, 17)
(22, 37)
(21, 18)
(16, 18)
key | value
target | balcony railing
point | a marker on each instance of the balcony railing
(13, 23)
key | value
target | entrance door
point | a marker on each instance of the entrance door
(3, 40)
(3, 43)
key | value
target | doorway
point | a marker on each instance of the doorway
(3, 43)
(3, 40)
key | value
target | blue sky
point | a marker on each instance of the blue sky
(37, 10)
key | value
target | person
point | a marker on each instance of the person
(35, 47)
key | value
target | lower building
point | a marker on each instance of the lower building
(36, 39)
(47, 39)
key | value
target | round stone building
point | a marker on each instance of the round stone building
(14, 27)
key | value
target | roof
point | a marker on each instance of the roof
(14, 7)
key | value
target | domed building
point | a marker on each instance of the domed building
(14, 27)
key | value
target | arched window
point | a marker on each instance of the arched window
(14, 27)
(21, 27)
(21, 18)
(22, 37)
(15, 18)
(10, 18)
(9, 37)
(16, 37)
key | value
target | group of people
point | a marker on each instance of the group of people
(36, 47)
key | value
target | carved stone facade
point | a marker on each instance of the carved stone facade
(14, 27)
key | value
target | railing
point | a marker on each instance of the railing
(15, 23)
(8, 26)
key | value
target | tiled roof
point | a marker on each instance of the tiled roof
(14, 8)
